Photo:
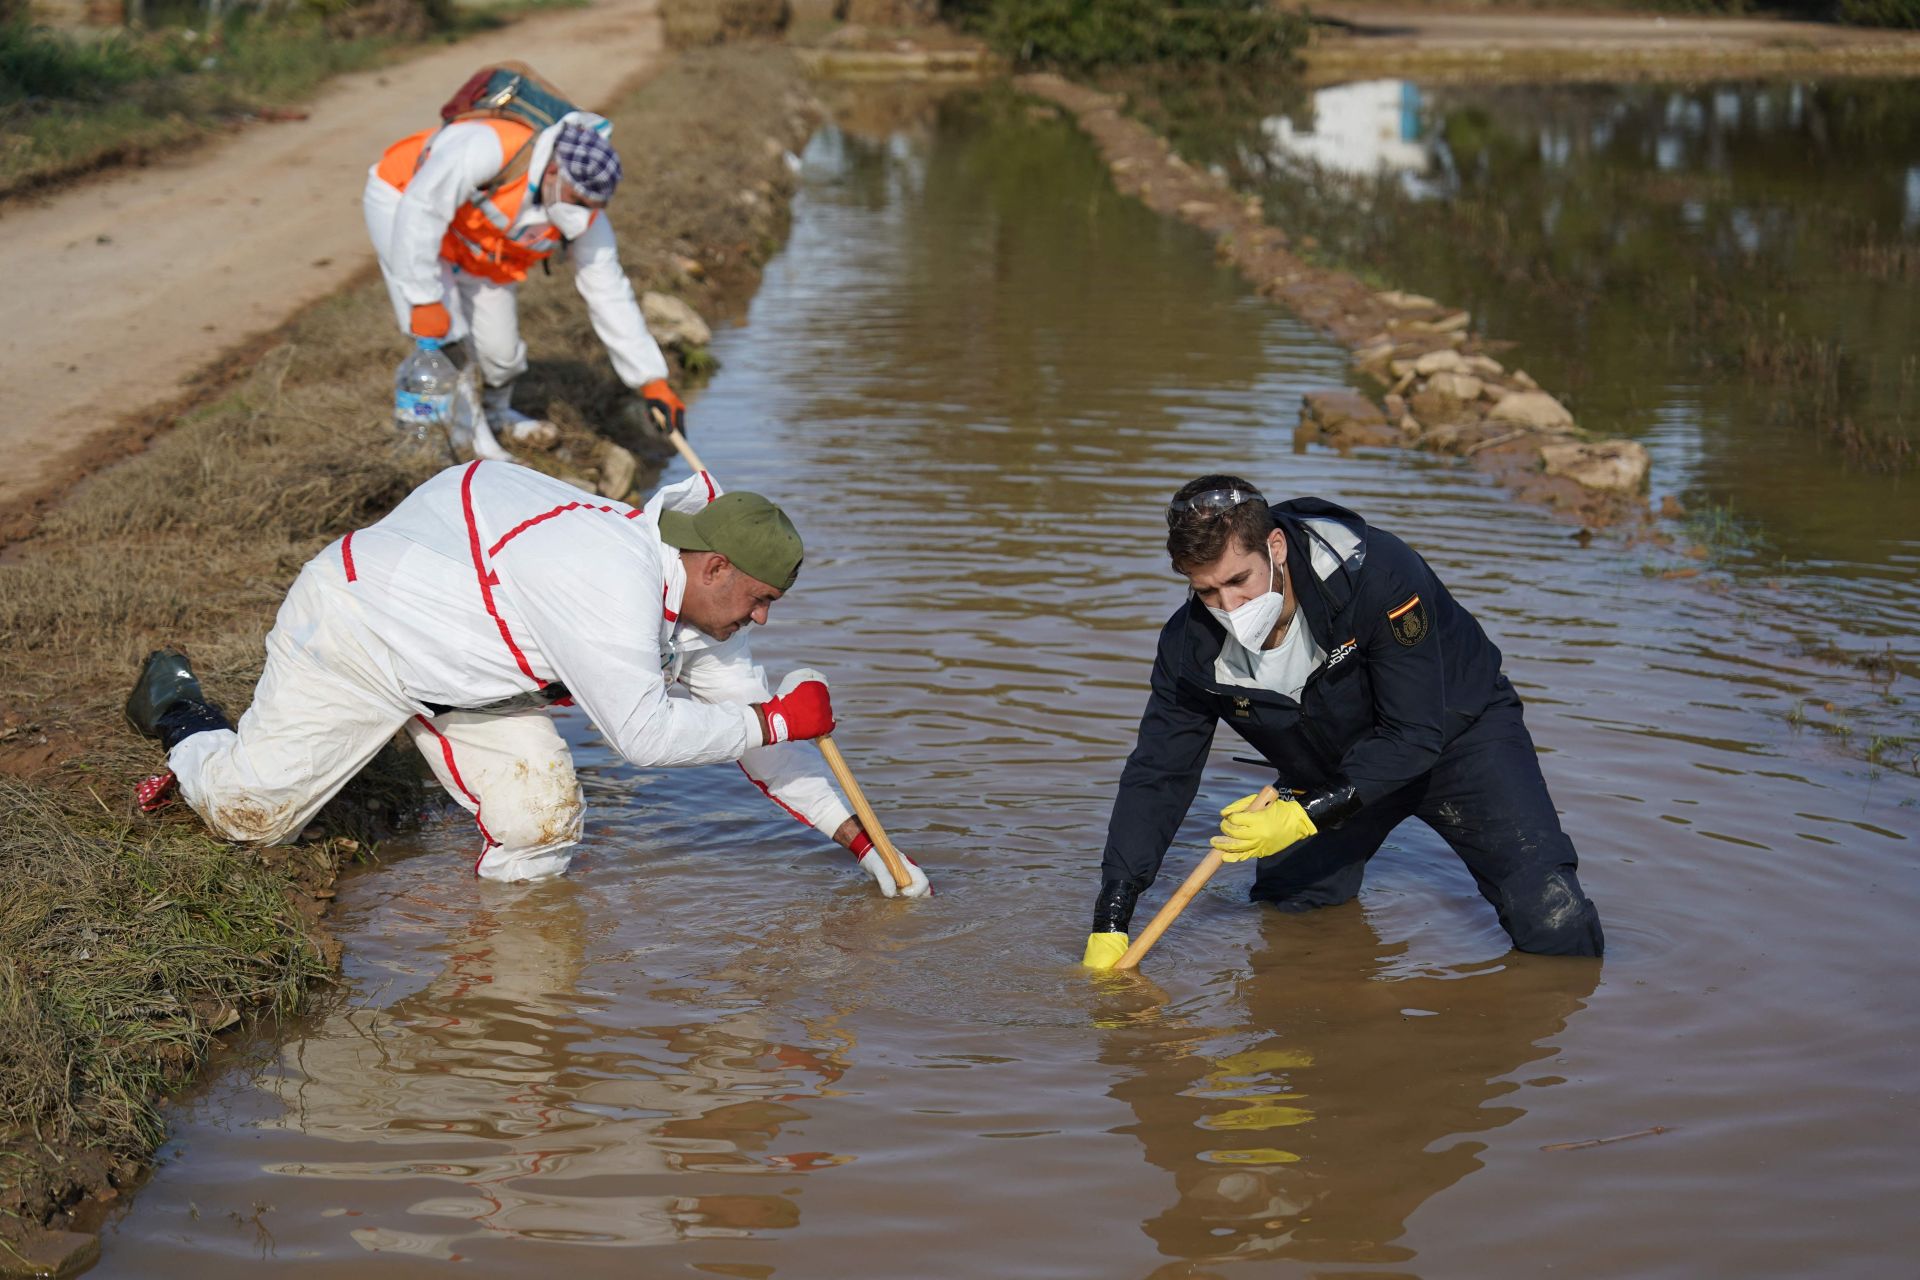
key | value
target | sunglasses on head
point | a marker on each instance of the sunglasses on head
(1211, 503)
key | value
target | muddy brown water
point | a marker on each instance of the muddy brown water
(975, 374)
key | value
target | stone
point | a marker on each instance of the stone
(618, 467)
(1455, 386)
(1532, 411)
(1609, 466)
(1405, 301)
(1373, 354)
(53, 1253)
(1432, 406)
(1454, 323)
(1343, 419)
(1521, 380)
(672, 322)
(1483, 366)
(1445, 360)
(1450, 437)
(1193, 209)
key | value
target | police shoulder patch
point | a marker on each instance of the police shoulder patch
(1409, 622)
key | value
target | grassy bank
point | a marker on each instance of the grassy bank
(72, 102)
(126, 943)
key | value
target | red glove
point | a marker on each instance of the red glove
(431, 321)
(801, 710)
(156, 793)
(667, 410)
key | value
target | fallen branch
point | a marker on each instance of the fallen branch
(1601, 1142)
(1505, 439)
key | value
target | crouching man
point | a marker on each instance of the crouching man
(1336, 652)
(489, 594)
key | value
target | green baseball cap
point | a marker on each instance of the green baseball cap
(746, 529)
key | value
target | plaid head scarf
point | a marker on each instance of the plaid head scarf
(588, 160)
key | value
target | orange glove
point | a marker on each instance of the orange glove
(665, 409)
(430, 321)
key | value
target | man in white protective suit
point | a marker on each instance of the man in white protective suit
(489, 594)
(459, 215)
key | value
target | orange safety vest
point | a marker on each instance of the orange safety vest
(480, 239)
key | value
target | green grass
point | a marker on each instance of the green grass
(1082, 35)
(1721, 530)
(71, 102)
(126, 945)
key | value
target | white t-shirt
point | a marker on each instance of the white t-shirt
(1284, 668)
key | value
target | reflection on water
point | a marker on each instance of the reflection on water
(975, 374)
(1271, 1111)
(492, 1053)
(1361, 129)
(1726, 271)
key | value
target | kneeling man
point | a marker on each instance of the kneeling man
(1334, 650)
(489, 594)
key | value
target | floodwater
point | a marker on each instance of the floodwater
(1725, 270)
(975, 374)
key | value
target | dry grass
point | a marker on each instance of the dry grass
(124, 942)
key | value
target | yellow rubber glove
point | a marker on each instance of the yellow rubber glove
(1104, 950)
(1255, 833)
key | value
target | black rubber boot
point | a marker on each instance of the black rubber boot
(167, 702)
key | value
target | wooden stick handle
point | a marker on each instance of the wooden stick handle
(868, 818)
(1194, 883)
(686, 450)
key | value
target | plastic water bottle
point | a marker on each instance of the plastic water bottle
(466, 412)
(423, 388)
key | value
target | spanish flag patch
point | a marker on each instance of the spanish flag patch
(1409, 622)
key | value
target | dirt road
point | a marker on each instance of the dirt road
(1433, 39)
(121, 288)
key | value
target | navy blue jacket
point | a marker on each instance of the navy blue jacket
(1407, 670)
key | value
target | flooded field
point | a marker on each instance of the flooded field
(1725, 271)
(975, 375)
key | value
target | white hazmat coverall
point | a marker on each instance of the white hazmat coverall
(488, 584)
(407, 228)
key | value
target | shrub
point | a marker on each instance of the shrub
(1083, 34)
(1878, 13)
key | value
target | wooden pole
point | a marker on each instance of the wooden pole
(868, 818)
(1194, 883)
(676, 438)
(686, 450)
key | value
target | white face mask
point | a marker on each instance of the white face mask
(1255, 620)
(570, 220)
